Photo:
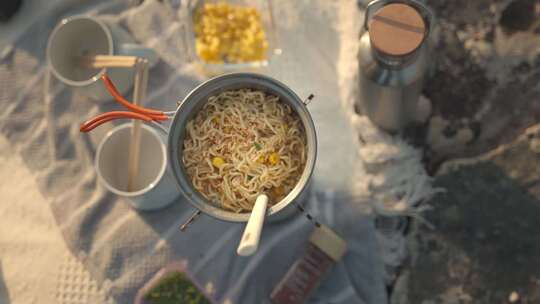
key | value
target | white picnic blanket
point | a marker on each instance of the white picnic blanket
(97, 249)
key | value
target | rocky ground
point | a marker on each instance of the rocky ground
(483, 146)
(486, 246)
(485, 88)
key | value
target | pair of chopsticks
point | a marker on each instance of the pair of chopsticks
(108, 61)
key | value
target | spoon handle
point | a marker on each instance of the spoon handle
(252, 233)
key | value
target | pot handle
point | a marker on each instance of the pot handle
(134, 111)
(308, 99)
(190, 220)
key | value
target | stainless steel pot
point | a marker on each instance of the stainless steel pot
(193, 102)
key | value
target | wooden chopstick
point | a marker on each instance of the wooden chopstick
(108, 61)
(139, 93)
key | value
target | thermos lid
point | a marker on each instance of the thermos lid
(397, 29)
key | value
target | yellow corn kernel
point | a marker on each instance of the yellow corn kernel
(218, 162)
(259, 35)
(273, 158)
(227, 35)
(261, 159)
(209, 7)
(222, 6)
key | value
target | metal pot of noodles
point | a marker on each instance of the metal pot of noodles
(240, 135)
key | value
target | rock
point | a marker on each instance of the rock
(535, 145)
(519, 15)
(480, 235)
(485, 246)
(8, 9)
(445, 140)
(514, 297)
(423, 111)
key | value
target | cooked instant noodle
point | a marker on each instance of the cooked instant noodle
(243, 143)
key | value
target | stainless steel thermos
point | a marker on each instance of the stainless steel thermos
(393, 60)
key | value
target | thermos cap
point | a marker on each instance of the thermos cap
(397, 30)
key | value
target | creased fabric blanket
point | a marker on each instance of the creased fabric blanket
(122, 248)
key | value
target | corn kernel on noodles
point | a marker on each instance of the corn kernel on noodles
(243, 143)
(229, 33)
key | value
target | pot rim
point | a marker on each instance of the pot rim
(192, 102)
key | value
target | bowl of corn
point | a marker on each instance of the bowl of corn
(228, 36)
